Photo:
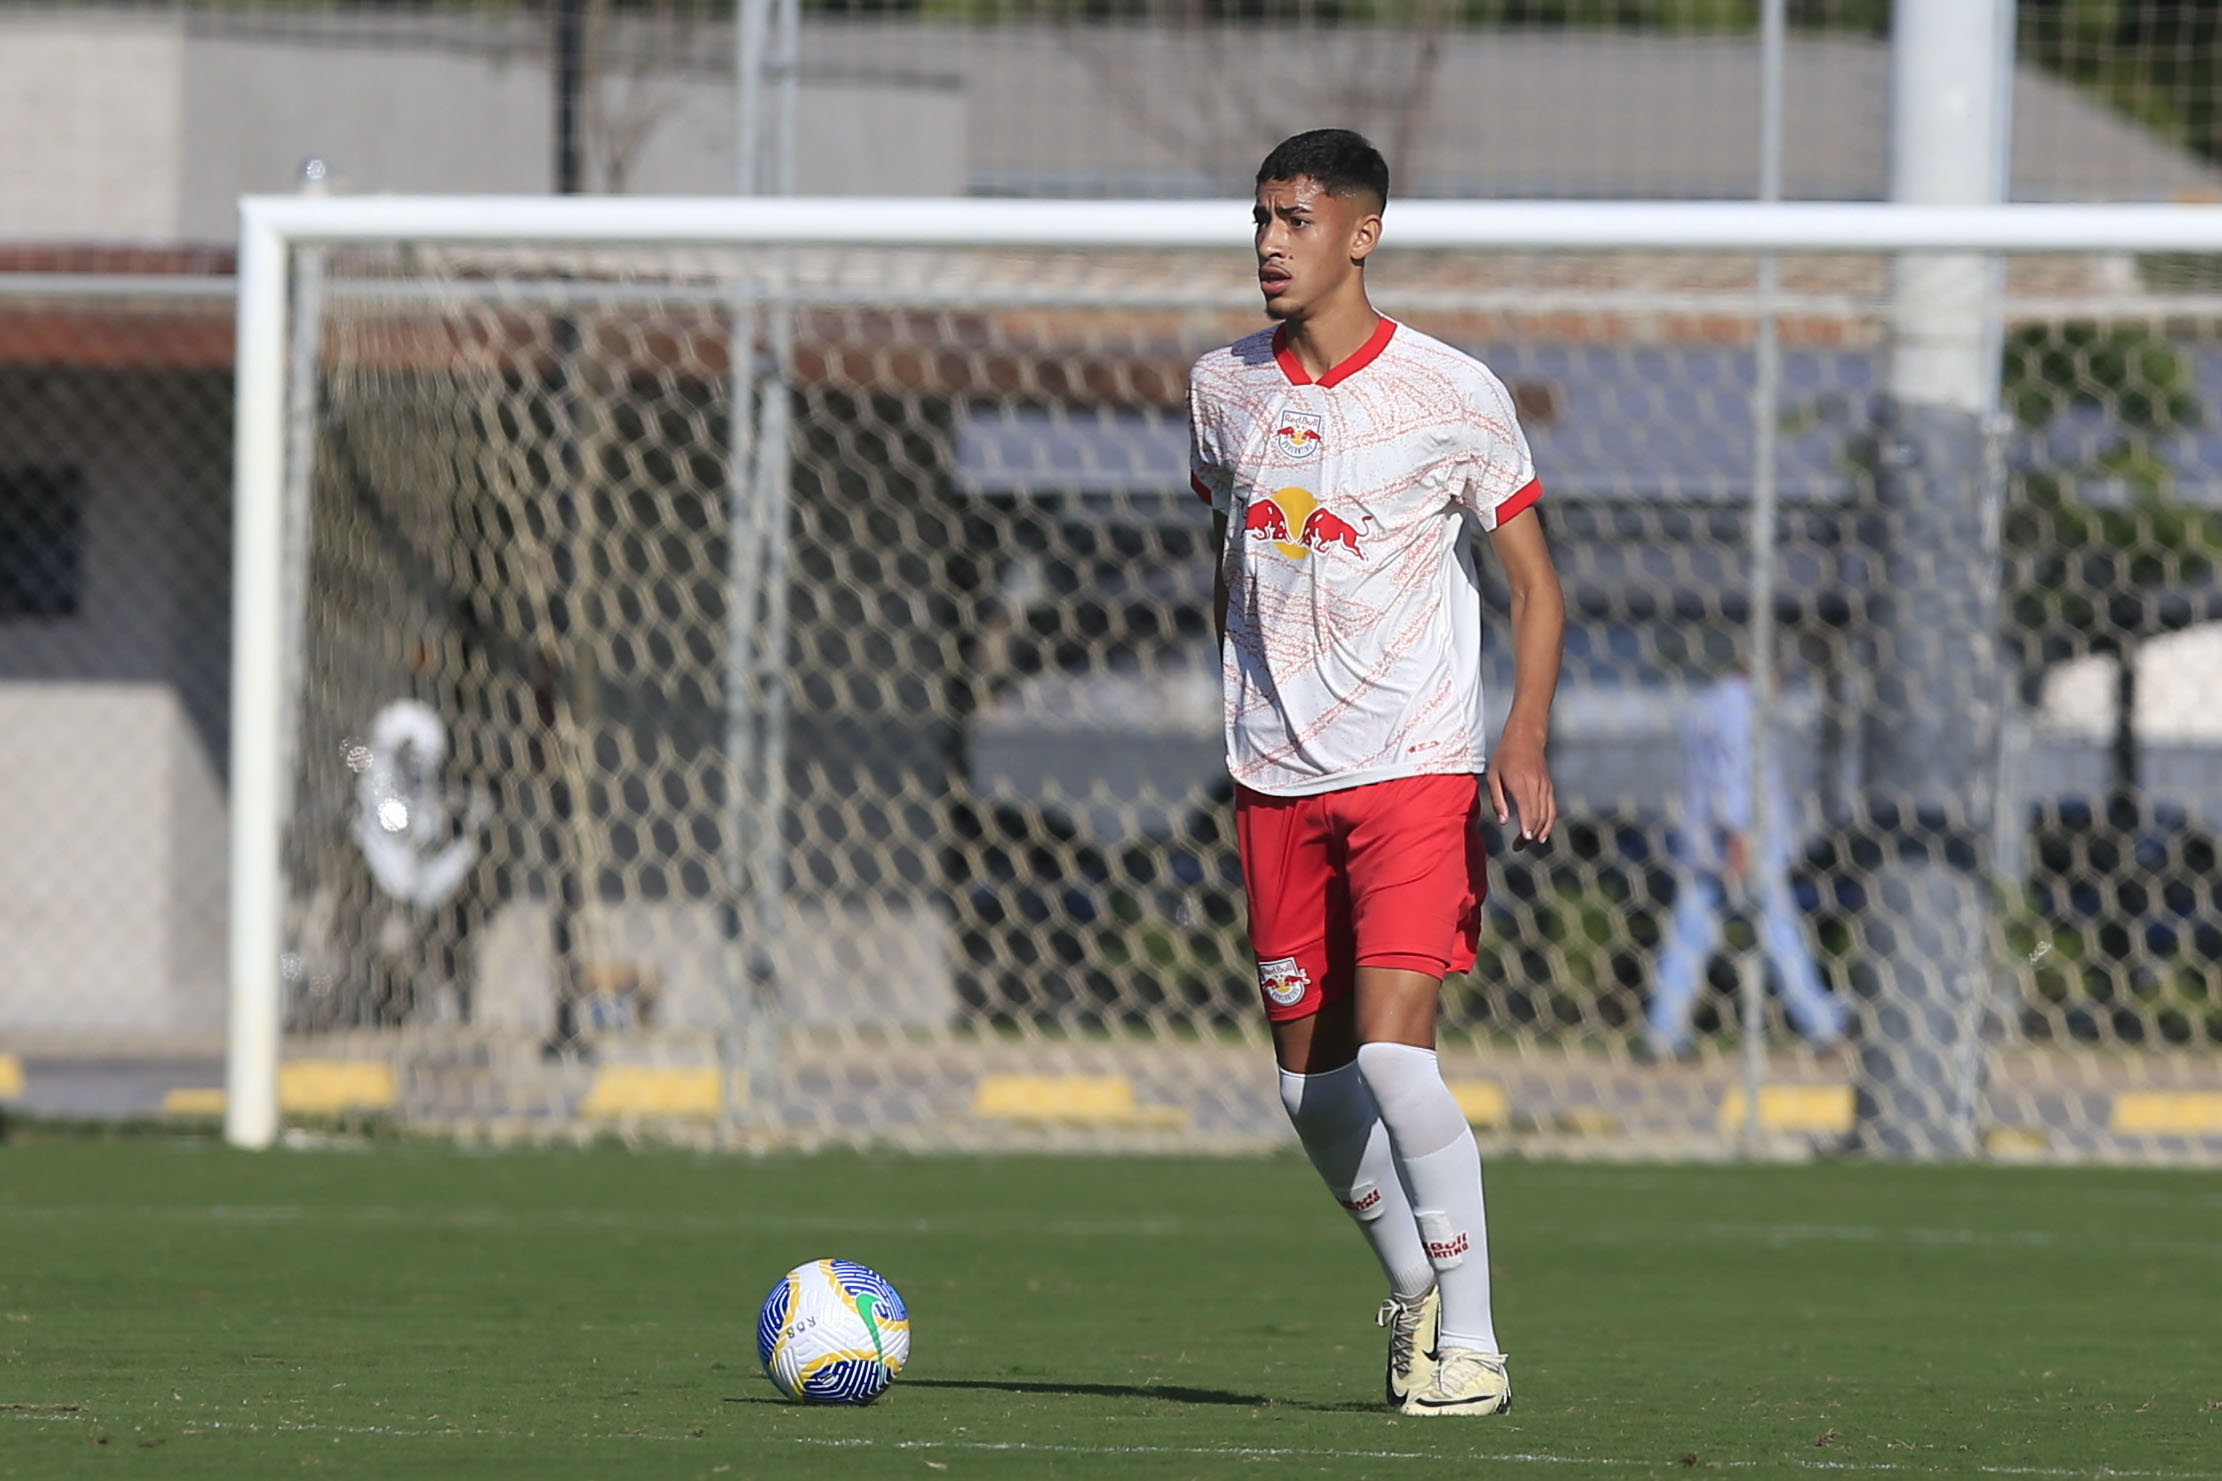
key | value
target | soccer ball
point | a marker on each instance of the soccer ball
(833, 1332)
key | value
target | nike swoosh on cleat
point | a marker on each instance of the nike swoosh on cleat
(1504, 1408)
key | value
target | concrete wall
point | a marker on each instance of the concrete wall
(150, 130)
(387, 120)
(112, 866)
(91, 115)
(112, 721)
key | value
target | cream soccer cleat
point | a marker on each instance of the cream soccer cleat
(1411, 1327)
(1465, 1382)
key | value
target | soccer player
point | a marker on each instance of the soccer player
(1348, 461)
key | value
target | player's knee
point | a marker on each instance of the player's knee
(1407, 1085)
(1327, 1107)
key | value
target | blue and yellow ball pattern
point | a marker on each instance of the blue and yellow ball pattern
(833, 1332)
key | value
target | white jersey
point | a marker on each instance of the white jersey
(1353, 650)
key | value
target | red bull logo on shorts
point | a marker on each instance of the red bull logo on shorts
(1298, 524)
(1302, 434)
(1283, 982)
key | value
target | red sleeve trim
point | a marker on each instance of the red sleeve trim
(1520, 501)
(1202, 491)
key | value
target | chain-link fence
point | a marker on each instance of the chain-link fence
(828, 747)
(981, 731)
(115, 653)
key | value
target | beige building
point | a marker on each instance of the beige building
(147, 127)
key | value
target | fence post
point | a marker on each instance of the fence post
(1930, 751)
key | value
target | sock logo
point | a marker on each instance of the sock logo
(1364, 1202)
(1283, 982)
(1446, 1247)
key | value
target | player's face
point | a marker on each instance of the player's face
(1310, 244)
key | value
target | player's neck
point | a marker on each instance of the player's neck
(1332, 332)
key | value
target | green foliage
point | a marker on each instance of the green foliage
(2079, 570)
(2083, 981)
(2155, 62)
(2141, 380)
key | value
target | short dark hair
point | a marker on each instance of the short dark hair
(1341, 160)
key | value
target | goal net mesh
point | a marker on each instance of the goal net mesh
(770, 694)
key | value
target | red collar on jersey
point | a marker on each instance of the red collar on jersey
(1366, 354)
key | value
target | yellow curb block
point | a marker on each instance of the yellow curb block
(1084, 1098)
(2167, 1113)
(1483, 1102)
(306, 1087)
(1794, 1108)
(194, 1100)
(11, 1077)
(324, 1086)
(653, 1090)
(2017, 1141)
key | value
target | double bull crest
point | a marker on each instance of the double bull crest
(1298, 524)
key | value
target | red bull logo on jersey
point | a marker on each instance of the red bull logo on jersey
(1298, 524)
(1302, 434)
(1283, 982)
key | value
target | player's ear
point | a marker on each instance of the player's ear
(1365, 234)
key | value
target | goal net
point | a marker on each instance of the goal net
(764, 690)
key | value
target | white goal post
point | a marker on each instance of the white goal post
(281, 239)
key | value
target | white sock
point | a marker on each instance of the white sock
(1335, 1119)
(1440, 1167)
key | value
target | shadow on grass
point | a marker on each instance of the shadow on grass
(1172, 1391)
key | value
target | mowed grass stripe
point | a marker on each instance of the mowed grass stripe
(1149, 1227)
(421, 1310)
(1480, 1455)
(1469, 1454)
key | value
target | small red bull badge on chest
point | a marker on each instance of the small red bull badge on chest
(1302, 434)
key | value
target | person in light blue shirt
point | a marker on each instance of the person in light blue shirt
(1715, 850)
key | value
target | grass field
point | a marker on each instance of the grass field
(172, 1308)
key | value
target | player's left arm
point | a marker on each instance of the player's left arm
(1519, 775)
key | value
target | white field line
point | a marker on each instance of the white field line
(1535, 1458)
(1231, 1452)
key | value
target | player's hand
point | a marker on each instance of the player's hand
(1520, 781)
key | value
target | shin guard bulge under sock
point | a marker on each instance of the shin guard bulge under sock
(1440, 1167)
(1335, 1119)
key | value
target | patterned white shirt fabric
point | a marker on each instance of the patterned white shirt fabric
(1353, 650)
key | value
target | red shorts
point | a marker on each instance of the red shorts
(1390, 874)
